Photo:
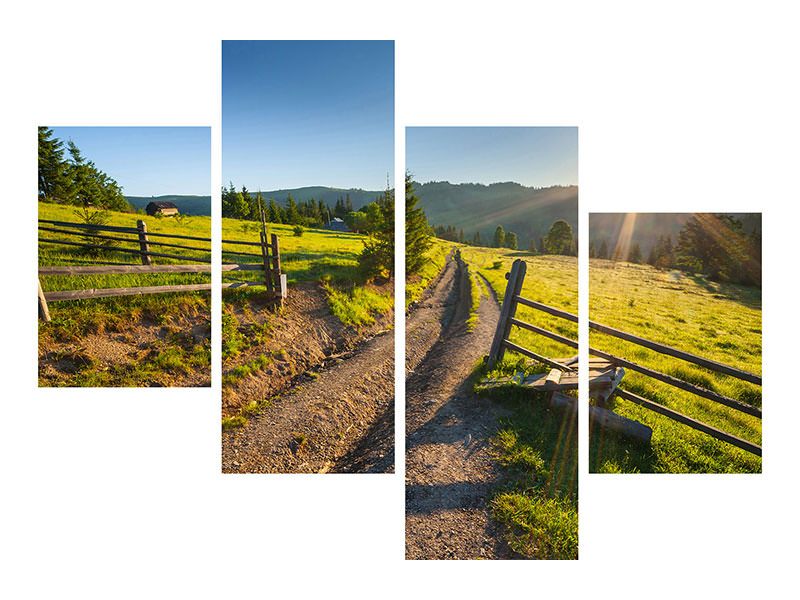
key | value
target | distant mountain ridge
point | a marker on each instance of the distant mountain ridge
(187, 205)
(329, 195)
(527, 211)
(648, 227)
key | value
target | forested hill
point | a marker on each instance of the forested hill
(648, 227)
(527, 211)
(187, 205)
(328, 195)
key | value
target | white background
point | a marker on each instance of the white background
(117, 493)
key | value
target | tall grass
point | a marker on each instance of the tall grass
(721, 322)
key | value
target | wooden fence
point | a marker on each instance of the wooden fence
(142, 243)
(270, 264)
(501, 343)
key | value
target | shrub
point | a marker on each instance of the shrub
(298, 230)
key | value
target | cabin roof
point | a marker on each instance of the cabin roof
(162, 204)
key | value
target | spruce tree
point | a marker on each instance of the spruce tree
(511, 240)
(417, 233)
(635, 254)
(602, 252)
(499, 237)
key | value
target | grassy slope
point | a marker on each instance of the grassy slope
(317, 255)
(437, 254)
(538, 506)
(716, 321)
(72, 320)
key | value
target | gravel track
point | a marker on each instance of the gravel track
(450, 473)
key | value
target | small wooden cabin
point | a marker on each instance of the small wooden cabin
(337, 224)
(166, 209)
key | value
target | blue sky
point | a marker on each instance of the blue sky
(147, 161)
(302, 113)
(531, 156)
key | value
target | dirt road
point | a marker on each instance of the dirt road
(341, 419)
(449, 470)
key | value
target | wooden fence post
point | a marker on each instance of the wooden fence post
(144, 246)
(276, 267)
(507, 311)
(44, 313)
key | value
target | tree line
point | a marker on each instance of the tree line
(712, 245)
(243, 204)
(559, 239)
(73, 179)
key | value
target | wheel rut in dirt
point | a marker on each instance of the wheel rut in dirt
(340, 421)
(450, 473)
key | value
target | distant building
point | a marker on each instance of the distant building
(336, 224)
(166, 209)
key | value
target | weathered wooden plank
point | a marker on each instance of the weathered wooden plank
(674, 352)
(602, 395)
(604, 419)
(680, 384)
(126, 250)
(111, 269)
(276, 266)
(118, 229)
(548, 309)
(143, 245)
(44, 311)
(237, 284)
(693, 423)
(530, 354)
(237, 253)
(553, 377)
(113, 228)
(241, 243)
(549, 334)
(123, 239)
(242, 267)
(131, 291)
(507, 310)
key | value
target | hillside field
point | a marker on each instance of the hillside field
(718, 321)
(174, 327)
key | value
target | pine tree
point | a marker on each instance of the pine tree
(559, 239)
(532, 247)
(592, 252)
(377, 257)
(53, 183)
(499, 237)
(511, 240)
(476, 240)
(635, 254)
(417, 237)
(292, 216)
(602, 252)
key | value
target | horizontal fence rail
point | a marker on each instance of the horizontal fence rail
(507, 319)
(508, 310)
(269, 265)
(89, 232)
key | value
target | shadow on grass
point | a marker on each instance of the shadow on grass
(745, 295)
(612, 452)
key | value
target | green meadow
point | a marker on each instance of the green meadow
(316, 256)
(718, 321)
(537, 505)
(158, 304)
